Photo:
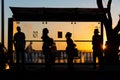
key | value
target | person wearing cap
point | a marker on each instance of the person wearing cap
(97, 48)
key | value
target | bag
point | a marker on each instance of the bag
(53, 50)
(75, 52)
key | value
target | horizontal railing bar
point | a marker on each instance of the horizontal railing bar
(60, 40)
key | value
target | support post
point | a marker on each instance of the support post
(2, 22)
(10, 41)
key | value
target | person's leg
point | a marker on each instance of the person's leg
(101, 62)
(94, 60)
(28, 57)
(31, 59)
(23, 58)
(69, 61)
(17, 59)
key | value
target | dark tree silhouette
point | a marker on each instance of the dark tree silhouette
(112, 34)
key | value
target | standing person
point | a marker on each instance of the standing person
(69, 49)
(97, 48)
(46, 48)
(53, 51)
(19, 43)
(29, 51)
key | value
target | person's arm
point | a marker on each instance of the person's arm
(24, 39)
(92, 40)
(14, 40)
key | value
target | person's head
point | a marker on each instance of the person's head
(68, 34)
(30, 42)
(18, 29)
(96, 31)
(45, 31)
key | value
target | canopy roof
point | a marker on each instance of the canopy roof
(57, 14)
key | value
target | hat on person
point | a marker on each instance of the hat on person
(96, 31)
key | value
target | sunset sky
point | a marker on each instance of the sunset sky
(81, 31)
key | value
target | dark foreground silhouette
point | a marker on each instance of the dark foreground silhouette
(61, 72)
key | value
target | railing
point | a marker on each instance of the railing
(61, 57)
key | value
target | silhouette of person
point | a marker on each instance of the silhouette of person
(19, 43)
(3, 57)
(69, 49)
(53, 51)
(97, 48)
(29, 51)
(46, 47)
